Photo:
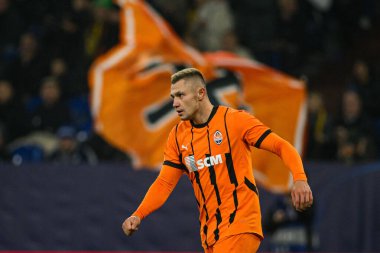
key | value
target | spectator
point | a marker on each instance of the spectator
(319, 129)
(299, 39)
(69, 44)
(9, 15)
(289, 32)
(65, 31)
(212, 19)
(102, 32)
(28, 69)
(49, 113)
(9, 37)
(59, 70)
(289, 230)
(13, 115)
(322, 5)
(52, 113)
(354, 133)
(354, 18)
(70, 151)
(362, 81)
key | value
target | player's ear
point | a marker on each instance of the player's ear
(201, 93)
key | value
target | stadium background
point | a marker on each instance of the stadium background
(52, 205)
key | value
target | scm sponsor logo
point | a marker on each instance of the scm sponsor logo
(209, 161)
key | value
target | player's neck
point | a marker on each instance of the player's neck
(203, 114)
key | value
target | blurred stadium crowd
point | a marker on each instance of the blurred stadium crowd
(47, 46)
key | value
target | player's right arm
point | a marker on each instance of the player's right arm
(161, 188)
(156, 196)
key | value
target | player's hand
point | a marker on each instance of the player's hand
(302, 197)
(131, 225)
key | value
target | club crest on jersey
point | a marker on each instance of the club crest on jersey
(218, 137)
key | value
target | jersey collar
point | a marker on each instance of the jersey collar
(214, 109)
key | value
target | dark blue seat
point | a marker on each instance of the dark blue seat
(27, 153)
(80, 113)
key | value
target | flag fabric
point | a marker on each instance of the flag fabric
(130, 93)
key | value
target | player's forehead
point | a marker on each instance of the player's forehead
(182, 85)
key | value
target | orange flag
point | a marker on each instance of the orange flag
(130, 88)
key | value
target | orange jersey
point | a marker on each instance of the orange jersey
(217, 159)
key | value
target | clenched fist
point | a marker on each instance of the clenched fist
(131, 225)
(302, 196)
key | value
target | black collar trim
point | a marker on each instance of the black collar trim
(214, 109)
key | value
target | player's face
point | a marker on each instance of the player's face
(185, 100)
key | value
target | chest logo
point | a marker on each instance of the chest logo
(218, 137)
(195, 165)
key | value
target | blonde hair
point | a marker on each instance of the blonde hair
(188, 73)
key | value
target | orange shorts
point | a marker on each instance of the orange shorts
(241, 243)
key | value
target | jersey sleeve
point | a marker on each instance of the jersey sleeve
(159, 191)
(251, 130)
(162, 187)
(172, 156)
(287, 153)
(260, 136)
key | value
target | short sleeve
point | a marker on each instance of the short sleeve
(251, 129)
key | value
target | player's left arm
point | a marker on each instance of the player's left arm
(256, 134)
(302, 195)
